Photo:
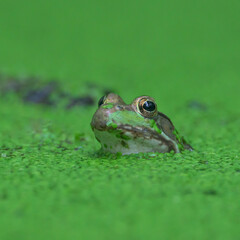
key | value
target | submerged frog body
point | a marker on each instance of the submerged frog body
(137, 127)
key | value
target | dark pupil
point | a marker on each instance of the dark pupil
(100, 102)
(149, 106)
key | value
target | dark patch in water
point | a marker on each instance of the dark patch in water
(49, 93)
(196, 105)
(211, 192)
(81, 101)
(42, 95)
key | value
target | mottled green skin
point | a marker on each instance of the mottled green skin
(130, 129)
(127, 117)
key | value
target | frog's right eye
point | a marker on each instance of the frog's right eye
(147, 107)
(101, 101)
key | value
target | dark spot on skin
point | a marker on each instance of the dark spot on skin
(171, 147)
(128, 108)
(118, 107)
(124, 144)
(98, 139)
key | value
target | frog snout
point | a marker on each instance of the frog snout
(99, 120)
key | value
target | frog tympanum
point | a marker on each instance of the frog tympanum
(136, 127)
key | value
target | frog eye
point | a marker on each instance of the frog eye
(147, 107)
(101, 101)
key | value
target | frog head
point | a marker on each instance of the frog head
(135, 127)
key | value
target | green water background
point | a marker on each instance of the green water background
(174, 51)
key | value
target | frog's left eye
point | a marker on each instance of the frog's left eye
(101, 101)
(147, 107)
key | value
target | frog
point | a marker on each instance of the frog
(135, 128)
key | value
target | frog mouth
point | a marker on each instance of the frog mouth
(135, 136)
(127, 132)
(138, 131)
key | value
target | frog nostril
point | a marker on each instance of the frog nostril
(118, 107)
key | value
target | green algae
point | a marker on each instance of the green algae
(128, 117)
(112, 128)
(49, 172)
(181, 140)
(112, 125)
(154, 126)
(107, 106)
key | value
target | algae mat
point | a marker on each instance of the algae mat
(54, 183)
